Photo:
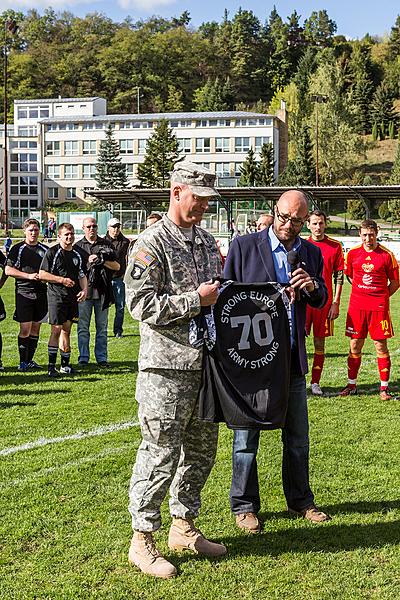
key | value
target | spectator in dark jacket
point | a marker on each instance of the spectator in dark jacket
(120, 245)
(96, 252)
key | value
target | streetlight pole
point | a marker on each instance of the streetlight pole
(318, 99)
(9, 26)
(138, 99)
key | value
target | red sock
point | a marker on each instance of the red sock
(353, 365)
(384, 367)
(318, 365)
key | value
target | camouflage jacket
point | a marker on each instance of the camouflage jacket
(161, 279)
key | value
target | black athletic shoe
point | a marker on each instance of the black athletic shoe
(104, 364)
(52, 372)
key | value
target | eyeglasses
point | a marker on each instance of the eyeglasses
(293, 221)
(91, 226)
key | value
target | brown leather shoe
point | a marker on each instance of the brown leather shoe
(144, 554)
(311, 513)
(249, 522)
(183, 535)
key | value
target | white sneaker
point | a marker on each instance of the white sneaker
(67, 370)
(316, 390)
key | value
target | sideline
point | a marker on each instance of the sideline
(80, 435)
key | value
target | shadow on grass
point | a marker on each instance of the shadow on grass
(20, 380)
(4, 405)
(363, 390)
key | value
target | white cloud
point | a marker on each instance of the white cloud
(144, 4)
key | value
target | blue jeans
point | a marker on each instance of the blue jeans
(101, 319)
(119, 297)
(245, 493)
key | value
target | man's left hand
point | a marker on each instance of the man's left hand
(301, 280)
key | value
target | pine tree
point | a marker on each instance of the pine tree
(265, 176)
(161, 155)
(382, 109)
(213, 96)
(374, 132)
(395, 172)
(249, 171)
(110, 172)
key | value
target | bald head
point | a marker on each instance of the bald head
(291, 212)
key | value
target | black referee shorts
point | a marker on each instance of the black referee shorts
(29, 310)
(63, 310)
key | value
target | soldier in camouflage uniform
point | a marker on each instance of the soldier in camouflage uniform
(168, 280)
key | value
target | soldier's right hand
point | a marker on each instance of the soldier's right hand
(208, 293)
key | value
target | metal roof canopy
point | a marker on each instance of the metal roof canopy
(149, 198)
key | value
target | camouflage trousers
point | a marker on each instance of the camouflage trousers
(177, 449)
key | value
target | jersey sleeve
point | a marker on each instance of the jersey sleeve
(3, 260)
(145, 282)
(339, 259)
(46, 261)
(12, 258)
(392, 268)
(348, 266)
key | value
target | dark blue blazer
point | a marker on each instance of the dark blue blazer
(250, 260)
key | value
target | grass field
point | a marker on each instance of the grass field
(66, 452)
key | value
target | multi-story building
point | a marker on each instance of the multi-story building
(54, 145)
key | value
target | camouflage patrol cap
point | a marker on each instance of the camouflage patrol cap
(199, 179)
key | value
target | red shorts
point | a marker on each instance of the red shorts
(318, 319)
(375, 322)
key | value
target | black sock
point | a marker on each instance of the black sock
(52, 351)
(65, 356)
(23, 346)
(32, 345)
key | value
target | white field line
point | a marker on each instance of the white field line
(79, 435)
(64, 467)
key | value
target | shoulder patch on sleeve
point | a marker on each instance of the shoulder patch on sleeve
(144, 258)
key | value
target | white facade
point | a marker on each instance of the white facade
(54, 146)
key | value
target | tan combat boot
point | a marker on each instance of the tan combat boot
(183, 535)
(144, 554)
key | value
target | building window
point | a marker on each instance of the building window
(185, 145)
(89, 171)
(242, 144)
(89, 147)
(28, 131)
(71, 148)
(181, 123)
(251, 122)
(202, 144)
(260, 141)
(53, 171)
(24, 185)
(71, 171)
(23, 144)
(222, 169)
(238, 166)
(52, 193)
(142, 146)
(129, 169)
(222, 144)
(93, 126)
(53, 149)
(126, 146)
(43, 112)
(23, 162)
(70, 193)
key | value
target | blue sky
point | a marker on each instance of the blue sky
(354, 18)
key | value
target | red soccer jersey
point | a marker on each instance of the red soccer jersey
(370, 273)
(332, 253)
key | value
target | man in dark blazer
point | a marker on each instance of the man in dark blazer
(260, 257)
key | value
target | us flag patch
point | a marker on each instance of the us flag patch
(144, 258)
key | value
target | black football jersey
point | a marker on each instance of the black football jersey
(247, 357)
